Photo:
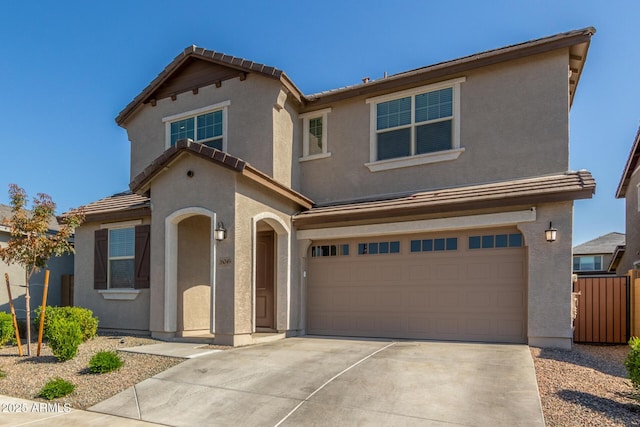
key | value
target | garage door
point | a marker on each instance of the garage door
(455, 286)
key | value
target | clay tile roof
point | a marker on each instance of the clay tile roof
(6, 211)
(122, 204)
(140, 182)
(195, 52)
(567, 186)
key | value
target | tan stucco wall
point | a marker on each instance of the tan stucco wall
(112, 314)
(513, 123)
(253, 129)
(549, 281)
(211, 187)
(632, 226)
(252, 203)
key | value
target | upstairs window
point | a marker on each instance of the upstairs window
(421, 123)
(314, 135)
(587, 263)
(207, 126)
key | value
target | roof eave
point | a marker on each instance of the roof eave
(629, 168)
(456, 66)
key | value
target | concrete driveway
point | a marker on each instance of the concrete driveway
(334, 381)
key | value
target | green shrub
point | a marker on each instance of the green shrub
(105, 361)
(82, 316)
(64, 337)
(2, 374)
(7, 332)
(632, 363)
(56, 387)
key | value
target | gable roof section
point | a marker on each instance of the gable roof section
(552, 188)
(141, 182)
(629, 168)
(606, 244)
(230, 67)
(118, 206)
(225, 67)
(6, 212)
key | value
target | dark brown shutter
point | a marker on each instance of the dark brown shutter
(143, 256)
(100, 259)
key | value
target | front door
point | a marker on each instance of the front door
(265, 279)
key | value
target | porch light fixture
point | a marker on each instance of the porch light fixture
(220, 233)
(550, 233)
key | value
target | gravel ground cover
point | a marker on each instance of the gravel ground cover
(25, 376)
(587, 386)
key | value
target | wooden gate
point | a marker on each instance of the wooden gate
(603, 310)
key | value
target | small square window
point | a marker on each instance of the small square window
(416, 246)
(394, 247)
(452, 243)
(501, 241)
(515, 240)
(384, 247)
(427, 245)
(474, 242)
(438, 244)
(345, 249)
(373, 248)
(487, 242)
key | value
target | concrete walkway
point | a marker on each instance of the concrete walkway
(324, 381)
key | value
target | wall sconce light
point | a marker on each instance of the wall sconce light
(550, 233)
(220, 233)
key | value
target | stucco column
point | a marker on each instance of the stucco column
(303, 250)
(549, 277)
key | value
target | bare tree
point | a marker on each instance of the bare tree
(32, 242)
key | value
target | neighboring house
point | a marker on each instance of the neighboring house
(57, 266)
(598, 256)
(629, 189)
(412, 206)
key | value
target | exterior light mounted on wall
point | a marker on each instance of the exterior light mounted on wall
(220, 233)
(551, 233)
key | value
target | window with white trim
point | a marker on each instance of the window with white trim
(206, 125)
(314, 135)
(121, 258)
(421, 123)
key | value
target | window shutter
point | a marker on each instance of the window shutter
(143, 256)
(100, 259)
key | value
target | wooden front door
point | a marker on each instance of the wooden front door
(265, 301)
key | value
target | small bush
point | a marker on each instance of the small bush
(632, 363)
(7, 332)
(82, 316)
(105, 361)
(56, 387)
(2, 374)
(64, 337)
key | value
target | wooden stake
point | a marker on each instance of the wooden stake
(44, 305)
(13, 314)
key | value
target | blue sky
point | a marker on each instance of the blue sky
(67, 68)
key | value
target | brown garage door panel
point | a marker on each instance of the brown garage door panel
(459, 295)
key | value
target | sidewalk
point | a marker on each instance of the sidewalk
(19, 412)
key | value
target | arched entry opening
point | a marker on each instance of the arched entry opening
(189, 272)
(271, 267)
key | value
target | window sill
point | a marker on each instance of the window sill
(314, 157)
(421, 159)
(120, 294)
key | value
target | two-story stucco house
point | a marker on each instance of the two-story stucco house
(411, 206)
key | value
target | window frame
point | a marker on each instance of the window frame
(594, 262)
(221, 106)
(453, 153)
(306, 119)
(120, 258)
